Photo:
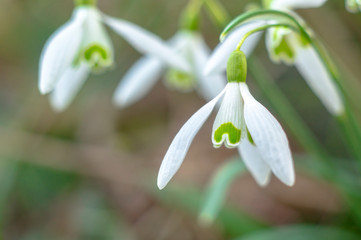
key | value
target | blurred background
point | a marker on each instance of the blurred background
(90, 172)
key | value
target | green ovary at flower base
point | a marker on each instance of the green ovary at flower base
(237, 67)
(85, 2)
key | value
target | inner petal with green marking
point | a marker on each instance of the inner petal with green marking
(229, 123)
(180, 81)
(280, 48)
(229, 133)
(97, 56)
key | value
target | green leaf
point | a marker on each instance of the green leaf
(38, 186)
(232, 221)
(302, 232)
(217, 189)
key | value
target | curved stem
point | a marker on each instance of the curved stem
(217, 12)
(348, 123)
(262, 28)
(265, 15)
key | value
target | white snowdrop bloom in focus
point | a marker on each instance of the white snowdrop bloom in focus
(284, 45)
(82, 46)
(241, 122)
(145, 73)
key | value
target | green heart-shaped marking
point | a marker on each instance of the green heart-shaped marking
(234, 134)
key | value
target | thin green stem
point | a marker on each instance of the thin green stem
(348, 123)
(190, 15)
(217, 12)
(264, 15)
(351, 128)
(262, 28)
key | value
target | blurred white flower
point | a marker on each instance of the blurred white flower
(143, 75)
(82, 45)
(353, 6)
(241, 122)
(286, 46)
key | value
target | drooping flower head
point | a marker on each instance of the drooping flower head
(287, 46)
(241, 122)
(189, 44)
(82, 46)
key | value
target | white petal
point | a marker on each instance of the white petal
(230, 114)
(181, 41)
(218, 60)
(148, 43)
(182, 141)
(254, 162)
(273, 38)
(269, 137)
(95, 35)
(68, 86)
(293, 4)
(137, 82)
(311, 67)
(59, 51)
(209, 86)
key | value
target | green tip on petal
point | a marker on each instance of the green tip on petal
(85, 2)
(95, 49)
(237, 67)
(234, 134)
(283, 49)
(180, 81)
(249, 137)
(97, 56)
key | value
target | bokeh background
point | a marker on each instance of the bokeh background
(90, 172)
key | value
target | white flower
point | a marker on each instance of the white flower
(353, 6)
(241, 122)
(82, 45)
(286, 46)
(143, 75)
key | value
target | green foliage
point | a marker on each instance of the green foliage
(217, 190)
(232, 222)
(37, 187)
(301, 232)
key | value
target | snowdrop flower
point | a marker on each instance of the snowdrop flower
(353, 6)
(82, 46)
(286, 46)
(143, 75)
(241, 122)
